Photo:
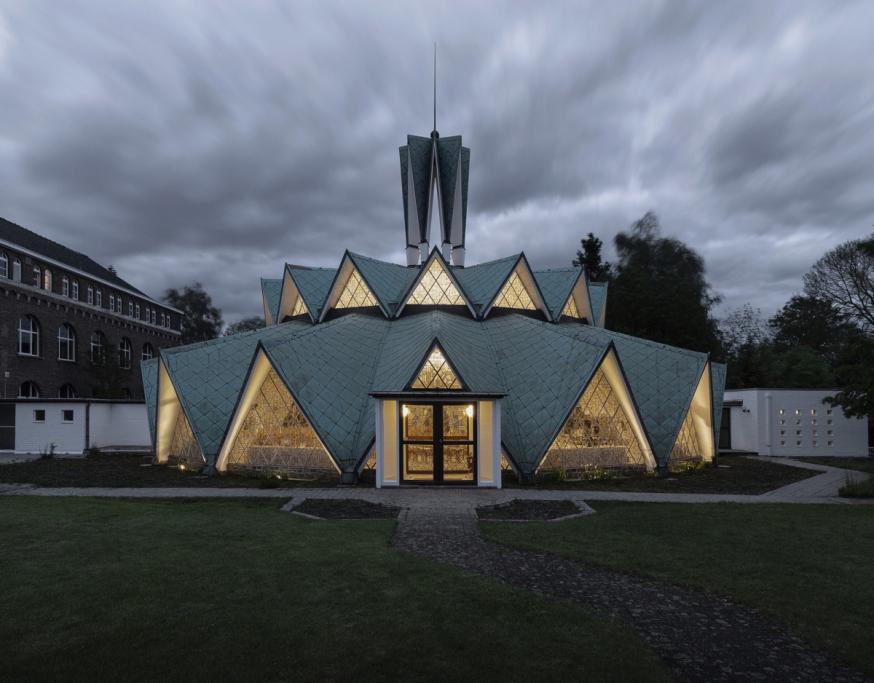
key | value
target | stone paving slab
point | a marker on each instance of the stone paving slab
(701, 637)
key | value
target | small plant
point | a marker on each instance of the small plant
(48, 453)
(270, 481)
(857, 489)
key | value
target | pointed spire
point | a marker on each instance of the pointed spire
(435, 87)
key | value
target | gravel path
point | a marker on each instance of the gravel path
(701, 637)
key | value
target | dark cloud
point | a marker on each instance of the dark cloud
(213, 142)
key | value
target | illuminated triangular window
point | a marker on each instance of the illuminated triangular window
(300, 308)
(686, 448)
(356, 294)
(276, 437)
(514, 295)
(597, 433)
(436, 373)
(570, 308)
(184, 450)
(436, 288)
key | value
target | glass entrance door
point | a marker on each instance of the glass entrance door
(438, 442)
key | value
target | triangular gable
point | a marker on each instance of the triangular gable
(570, 309)
(598, 299)
(436, 373)
(313, 284)
(291, 302)
(435, 285)
(480, 282)
(519, 291)
(350, 289)
(271, 292)
(603, 427)
(565, 292)
(269, 431)
(695, 439)
(175, 441)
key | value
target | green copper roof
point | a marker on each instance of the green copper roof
(313, 285)
(598, 299)
(388, 281)
(271, 290)
(332, 368)
(556, 285)
(482, 282)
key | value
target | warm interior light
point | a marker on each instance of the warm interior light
(405, 411)
(469, 411)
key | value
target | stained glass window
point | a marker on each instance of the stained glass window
(598, 434)
(356, 294)
(514, 295)
(276, 437)
(686, 448)
(300, 308)
(183, 446)
(436, 288)
(436, 373)
(570, 308)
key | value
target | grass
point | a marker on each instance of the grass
(735, 474)
(129, 469)
(807, 566)
(236, 590)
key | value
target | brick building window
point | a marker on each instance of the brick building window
(4, 264)
(137, 314)
(37, 276)
(124, 353)
(154, 317)
(67, 391)
(99, 300)
(148, 351)
(90, 295)
(76, 290)
(16, 270)
(28, 336)
(28, 390)
(112, 302)
(47, 280)
(130, 309)
(66, 342)
(97, 346)
(65, 286)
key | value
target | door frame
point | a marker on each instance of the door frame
(437, 442)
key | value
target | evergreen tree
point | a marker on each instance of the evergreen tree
(201, 320)
(589, 257)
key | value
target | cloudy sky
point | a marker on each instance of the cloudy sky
(212, 141)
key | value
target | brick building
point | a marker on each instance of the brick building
(70, 327)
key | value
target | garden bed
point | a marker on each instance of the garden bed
(346, 509)
(528, 510)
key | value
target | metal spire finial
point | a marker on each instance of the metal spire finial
(435, 85)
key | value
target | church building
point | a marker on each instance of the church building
(435, 371)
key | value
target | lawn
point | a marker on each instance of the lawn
(734, 474)
(129, 469)
(236, 590)
(810, 567)
(862, 489)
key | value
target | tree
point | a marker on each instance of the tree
(810, 322)
(200, 319)
(659, 290)
(747, 348)
(245, 325)
(855, 376)
(589, 257)
(845, 278)
(110, 379)
(801, 368)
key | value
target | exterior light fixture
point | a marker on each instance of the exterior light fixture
(469, 411)
(181, 466)
(405, 411)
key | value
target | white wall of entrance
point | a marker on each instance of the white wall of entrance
(391, 435)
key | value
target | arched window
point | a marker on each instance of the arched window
(67, 391)
(37, 277)
(90, 295)
(28, 390)
(4, 264)
(47, 280)
(76, 290)
(16, 270)
(65, 285)
(148, 351)
(124, 353)
(66, 342)
(99, 301)
(97, 347)
(28, 336)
